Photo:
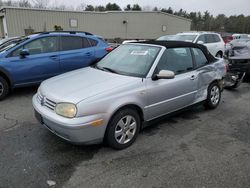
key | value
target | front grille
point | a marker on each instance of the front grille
(46, 102)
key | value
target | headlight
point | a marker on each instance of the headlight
(68, 110)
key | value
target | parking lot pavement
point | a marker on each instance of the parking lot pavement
(197, 148)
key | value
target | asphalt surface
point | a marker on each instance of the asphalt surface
(196, 148)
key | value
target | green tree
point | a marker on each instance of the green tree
(136, 7)
(112, 7)
(155, 9)
(169, 10)
(219, 23)
(100, 8)
(207, 19)
(247, 24)
(195, 21)
(24, 3)
(89, 8)
(128, 7)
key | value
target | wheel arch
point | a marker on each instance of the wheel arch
(131, 106)
(220, 52)
(219, 82)
(5, 75)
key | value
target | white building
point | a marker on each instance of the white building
(110, 25)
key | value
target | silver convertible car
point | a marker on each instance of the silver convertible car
(138, 82)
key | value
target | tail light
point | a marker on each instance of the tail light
(109, 49)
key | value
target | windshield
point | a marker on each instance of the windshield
(130, 60)
(187, 38)
(11, 44)
(168, 37)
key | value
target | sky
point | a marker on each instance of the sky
(215, 7)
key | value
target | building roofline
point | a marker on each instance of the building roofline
(92, 12)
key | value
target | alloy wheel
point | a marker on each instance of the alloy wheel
(125, 129)
(215, 95)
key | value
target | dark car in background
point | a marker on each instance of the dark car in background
(37, 57)
(238, 56)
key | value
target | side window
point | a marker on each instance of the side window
(73, 43)
(178, 60)
(39, 46)
(16, 52)
(201, 38)
(93, 42)
(216, 38)
(199, 57)
(85, 43)
(210, 38)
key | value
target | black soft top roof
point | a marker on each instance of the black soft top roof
(182, 44)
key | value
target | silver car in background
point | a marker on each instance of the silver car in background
(134, 84)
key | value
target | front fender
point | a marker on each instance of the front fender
(112, 101)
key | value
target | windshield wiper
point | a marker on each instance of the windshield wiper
(105, 69)
(109, 69)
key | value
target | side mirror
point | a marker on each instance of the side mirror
(23, 53)
(164, 74)
(200, 42)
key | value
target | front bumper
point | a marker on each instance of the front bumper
(76, 130)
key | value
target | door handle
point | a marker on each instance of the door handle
(54, 57)
(193, 77)
(88, 54)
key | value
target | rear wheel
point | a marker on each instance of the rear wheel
(213, 96)
(4, 88)
(123, 129)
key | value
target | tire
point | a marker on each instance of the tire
(4, 88)
(219, 55)
(123, 129)
(213, 96)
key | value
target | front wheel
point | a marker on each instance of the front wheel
(123, 129)
(213, 96)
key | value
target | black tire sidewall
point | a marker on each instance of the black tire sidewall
(5, 88)
(110, 134)
(209, 103)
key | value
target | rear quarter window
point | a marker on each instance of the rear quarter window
(74, 43)
(93, 42)
(200, 58)
(212, 38)
(216, 38)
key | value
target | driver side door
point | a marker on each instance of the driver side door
(168, 95)
(41, 62)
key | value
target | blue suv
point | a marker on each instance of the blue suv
(37, 57)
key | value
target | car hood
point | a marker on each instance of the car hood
(81, 84)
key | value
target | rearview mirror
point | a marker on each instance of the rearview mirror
(164, 74)
(24, 52)
(200, 42)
